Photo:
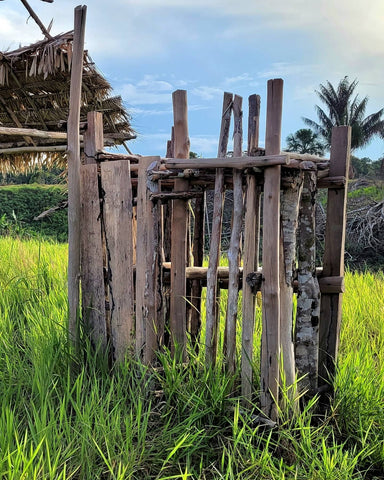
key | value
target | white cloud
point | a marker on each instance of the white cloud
(206, 92)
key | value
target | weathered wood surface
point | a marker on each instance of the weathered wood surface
(251, 251)
(93, 137)
(308, 298)
(32, 132)
(74, 201)
(234, 246)
(212, 312)
(117, 203)
(148, 286)
(238, 163)
(178, 308)
(290, 198)
(92, 267)
(270, 349)
(333, 262)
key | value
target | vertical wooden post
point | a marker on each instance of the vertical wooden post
(270, 349)
(74, 174)
(148, 265)
(234, 247)
(92, 267)
(251, 252)
(179, 231)
(308, 296)
(117, 216)
(214, 250)
(333, 262)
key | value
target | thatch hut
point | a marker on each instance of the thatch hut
(34, 94)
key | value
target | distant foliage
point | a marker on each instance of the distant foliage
(20, 204)
(305, 141)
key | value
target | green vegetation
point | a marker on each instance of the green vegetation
(305, 141)
(63, 418)
(20, 204)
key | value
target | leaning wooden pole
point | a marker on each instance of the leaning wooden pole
(251, 251)
(214, 251)
(333, 263)
(270, 346)
(74, 173)
(179, 230)
(234, 247)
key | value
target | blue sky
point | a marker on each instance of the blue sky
(148, 48)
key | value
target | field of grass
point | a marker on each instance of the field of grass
(63, 418)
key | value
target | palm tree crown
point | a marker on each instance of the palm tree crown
(344, 109)
(305, 141)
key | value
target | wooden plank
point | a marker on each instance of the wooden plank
(333, 262)
(93, 137)
(251, 251)
(74, 174)
(212, 311)
(117, 204)
(238, 163)
(308, 298)
(178, 310)
(147, 267)
(270, 347)
(234, 247)
(92, 268)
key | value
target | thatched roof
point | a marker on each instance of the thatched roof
(34, 93)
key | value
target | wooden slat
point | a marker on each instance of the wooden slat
(116, 183)
(270, 349)
(92, 271)
(333, 263)
(212, 312)
(147, 268)
(74, 174)
(178, 310)
(238, 163)
(234, 247)
(251, 252)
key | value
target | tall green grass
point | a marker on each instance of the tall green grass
(64, 418)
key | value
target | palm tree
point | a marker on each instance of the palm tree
(305, 141)
(344, 109)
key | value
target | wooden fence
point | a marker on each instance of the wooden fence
(142, 269)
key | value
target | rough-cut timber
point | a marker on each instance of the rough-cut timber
(212, 313)
(92, 267)
(308, 297)
(148, 267)
(117, 216)
(74, 175)
(234, 247)
(270, 344)
(251, 251)
(290, 198)
(179, 230)
(333, 263)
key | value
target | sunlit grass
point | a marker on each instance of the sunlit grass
(61, 419)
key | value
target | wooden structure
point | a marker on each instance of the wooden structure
(123, 303)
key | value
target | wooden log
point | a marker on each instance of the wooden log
(177, 195)
(74, 175)
(92, 267)
(148, 267)
(178, 310)
(234, 247)
(251, 252)
(211, 317)
(306, 157)
(94, 136)
(32, 132)
(332, 284)
(308, 298)
(238, 163)
(270, 349)
(117, 215)
(290, 198)
(333, 263)
(332, 182)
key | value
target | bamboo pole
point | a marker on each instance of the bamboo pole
(178, 310)
(234, 247)
(270, 349)
(214, 251)
(251, 252)
(74, 173)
